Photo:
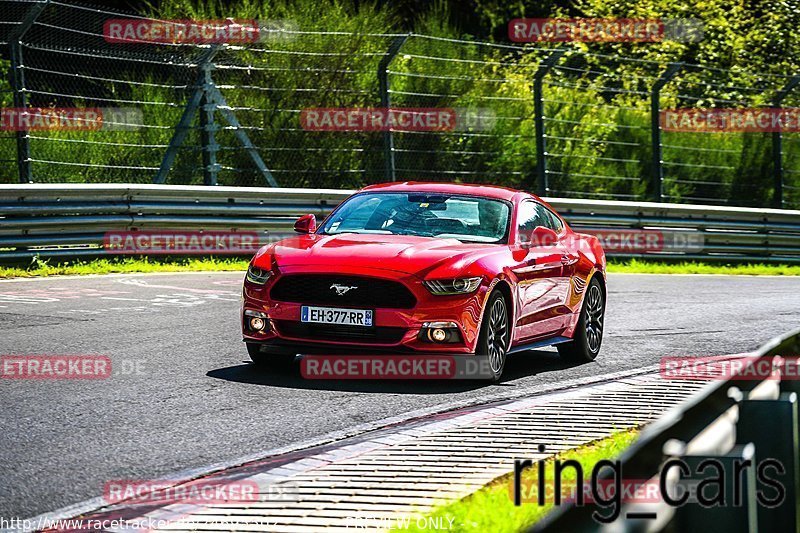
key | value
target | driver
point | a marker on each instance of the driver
(491, 218)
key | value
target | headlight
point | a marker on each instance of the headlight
(442, 287)
(257, 275)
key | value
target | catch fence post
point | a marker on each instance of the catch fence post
(542, 183)
(20, 92)
(777, 145)
(655, 127)
(383, 83)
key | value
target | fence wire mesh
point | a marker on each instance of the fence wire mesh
(595, 138)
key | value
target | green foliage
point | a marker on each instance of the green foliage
(39, 267)
(597, 106)
(742, 37)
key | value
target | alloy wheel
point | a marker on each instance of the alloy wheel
(497, 334)
(594, 318)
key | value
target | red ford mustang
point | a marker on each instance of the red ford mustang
(428, 268)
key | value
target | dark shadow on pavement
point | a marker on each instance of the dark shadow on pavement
(518, 365)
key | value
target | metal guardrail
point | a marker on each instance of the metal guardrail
(729, 421)
(70, 220)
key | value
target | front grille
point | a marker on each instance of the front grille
(329, 332)
(315, 289)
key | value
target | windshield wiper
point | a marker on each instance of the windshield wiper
(361, 232)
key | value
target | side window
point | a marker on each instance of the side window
(555, 222)
(529, 216)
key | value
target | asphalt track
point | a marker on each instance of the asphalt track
(183, 396)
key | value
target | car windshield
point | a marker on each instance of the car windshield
(466, 218)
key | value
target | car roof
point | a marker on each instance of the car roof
(489, 191)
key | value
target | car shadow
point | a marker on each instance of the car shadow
(520, 365)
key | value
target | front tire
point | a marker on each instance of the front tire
(495, 334)
(266, 359)
(585, 345)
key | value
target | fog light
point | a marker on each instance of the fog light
(438, 335)
(440, 332)
(256, 321)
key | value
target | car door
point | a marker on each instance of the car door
(569, 257)
(542, 275)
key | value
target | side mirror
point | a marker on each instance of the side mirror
(542, 236)
(306, 224)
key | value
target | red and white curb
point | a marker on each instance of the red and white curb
(388, 477)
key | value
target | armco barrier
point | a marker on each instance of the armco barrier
(64, 220)
(730, 420)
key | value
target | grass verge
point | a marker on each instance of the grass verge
(492, 507)
(638, 266)
(39, 268)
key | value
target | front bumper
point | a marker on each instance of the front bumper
(393, 330)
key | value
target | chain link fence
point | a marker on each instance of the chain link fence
(559, 121)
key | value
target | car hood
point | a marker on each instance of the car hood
(349, 252)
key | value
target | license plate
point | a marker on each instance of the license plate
(334, 315)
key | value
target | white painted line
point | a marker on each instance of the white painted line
(120, 275)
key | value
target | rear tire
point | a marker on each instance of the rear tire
(495, 334)
(266, 359)
(585, 345)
